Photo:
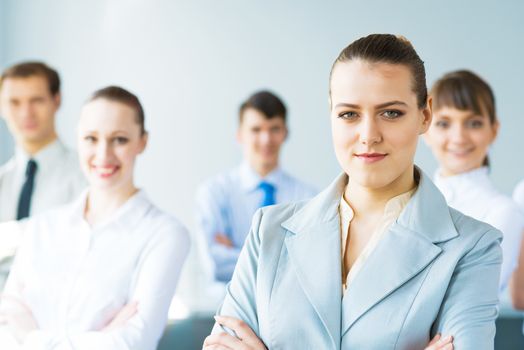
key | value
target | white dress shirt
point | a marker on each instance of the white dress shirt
(474, 194)
(58, 180)
(227, 202)
(518, 194)
(75, 278)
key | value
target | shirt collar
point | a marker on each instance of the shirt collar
(426, 213)
(126, 217)
(250, 179)
(45, 158)
(393, 208)
(473, 178)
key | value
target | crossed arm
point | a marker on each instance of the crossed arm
(138, 325)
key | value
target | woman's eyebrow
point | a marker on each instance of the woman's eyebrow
(343, 104)
(382, 105)
(391, 103)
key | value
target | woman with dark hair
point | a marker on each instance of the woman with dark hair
(99, 273)
(377, 260)
(464, 126)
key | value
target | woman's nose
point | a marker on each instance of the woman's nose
(370, 131)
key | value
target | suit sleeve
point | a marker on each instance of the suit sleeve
(240, 300)
(470, 305)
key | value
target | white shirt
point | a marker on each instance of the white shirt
(518, 194)
(227, 203)
(58, 180)
(474, 194)
(74, 277)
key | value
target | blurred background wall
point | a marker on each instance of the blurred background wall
(193, 62)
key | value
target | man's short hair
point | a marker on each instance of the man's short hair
(265, 102)
(29, 69)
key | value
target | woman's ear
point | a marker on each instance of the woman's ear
(427, 114)
(495, 130)
(143, 141)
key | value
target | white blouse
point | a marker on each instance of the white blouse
(518, 194)
(75, 278)
(474, 194)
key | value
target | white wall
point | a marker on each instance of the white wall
(193, 62)
(6, 143)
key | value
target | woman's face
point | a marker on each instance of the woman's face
(109, 140)
(375, 121)
(460, 139)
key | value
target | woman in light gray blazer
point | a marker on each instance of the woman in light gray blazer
(377, 260)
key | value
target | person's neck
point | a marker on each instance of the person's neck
(32, 148)
(264, 169)
(367, 201)
(444, 172)
(102, 204)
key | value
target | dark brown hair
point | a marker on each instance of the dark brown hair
(29, 69)
(265, 102)
(466, 91)
(388, 48)
(121, 95)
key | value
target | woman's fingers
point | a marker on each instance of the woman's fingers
(223, 340)
(124, 315)
(435, 339)
(242, 330)
(216, 347)
(439, 343)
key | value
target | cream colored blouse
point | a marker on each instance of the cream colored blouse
(392, 211)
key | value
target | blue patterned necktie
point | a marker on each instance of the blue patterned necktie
(269, 193)
(24, 203)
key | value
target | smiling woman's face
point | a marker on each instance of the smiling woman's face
(109, 140)
(460, 139)
(375, 121)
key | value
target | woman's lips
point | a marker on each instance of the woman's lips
(371, 157)
(105, 172)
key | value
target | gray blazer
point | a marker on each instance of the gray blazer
(434, 271)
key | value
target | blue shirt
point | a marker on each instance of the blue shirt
(226, 203)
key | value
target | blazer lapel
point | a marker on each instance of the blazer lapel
(399, 256)
(313, 244)
(404, 251)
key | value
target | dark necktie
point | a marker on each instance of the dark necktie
(269, 193)
(24, 203)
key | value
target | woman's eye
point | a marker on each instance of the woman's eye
(392, 114)
(90, 139)
(442, 124)
(121, 140)
(348, 115)
(475, 124)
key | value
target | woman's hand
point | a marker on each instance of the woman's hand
(245, 338)
(439, 343)
(17, 316)
(121, 318)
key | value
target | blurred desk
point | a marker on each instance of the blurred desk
(188, 333)
(509, 329)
